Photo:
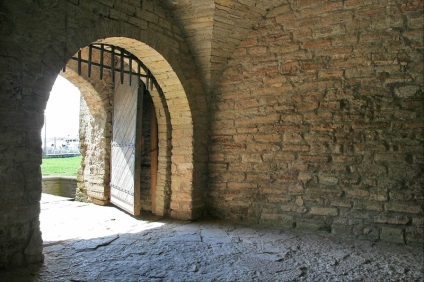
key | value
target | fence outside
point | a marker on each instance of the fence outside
(58, 147)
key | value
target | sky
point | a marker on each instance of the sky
(62, 112)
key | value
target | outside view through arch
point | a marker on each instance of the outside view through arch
(60, 133)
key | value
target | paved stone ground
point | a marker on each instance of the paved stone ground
(84, 242)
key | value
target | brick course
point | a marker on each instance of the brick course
(344, 129)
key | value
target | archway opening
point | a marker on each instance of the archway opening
(60, 132)
(98, 97)
(167, 137)
(60, 140)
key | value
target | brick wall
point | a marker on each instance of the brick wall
(196, 19)
(318, 121)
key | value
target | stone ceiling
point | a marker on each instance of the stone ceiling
(213, 29)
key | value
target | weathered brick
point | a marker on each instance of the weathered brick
(312, 224)
(340, 229)
(392, 219)
(379, 195)
(366, 232)
(252, 157)
(327, 179)
(392, 234)
(268, 138)
(367, 205)
(314, 159)
(295, 148)
(407, 91)
(357, 193)
(371, 169)
(346, 203)
(317, 44)
(324, 211)
(414, 235)
(403, 207)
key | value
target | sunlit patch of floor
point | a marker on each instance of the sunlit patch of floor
(85, 242)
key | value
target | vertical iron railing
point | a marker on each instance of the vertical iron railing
(121, 61)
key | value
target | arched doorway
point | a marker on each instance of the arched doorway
(170, 130)
(34, 57)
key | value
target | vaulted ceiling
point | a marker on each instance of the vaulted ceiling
(214, 28)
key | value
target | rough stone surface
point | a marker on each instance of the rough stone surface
(318, 119)
(295, 114)
(84, 242)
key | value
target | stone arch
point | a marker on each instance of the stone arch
(175, 129)
(174, 121)
(165, 53)
(34, 57)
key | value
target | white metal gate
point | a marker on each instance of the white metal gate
(126, 146)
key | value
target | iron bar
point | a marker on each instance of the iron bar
(64, 43)
(102, 49)
(113, 64)
(122, 66)
(79, 62)
(126, 54)
(138, 70)
(90, 53)
(107, 67)
(147, 80)
(130, 65)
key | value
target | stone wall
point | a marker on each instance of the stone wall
(318, 121)
(63, 186)
(94, 173)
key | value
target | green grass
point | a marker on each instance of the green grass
(61, 166)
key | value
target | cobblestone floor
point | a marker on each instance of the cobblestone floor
(84, 242)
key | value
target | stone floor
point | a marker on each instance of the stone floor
(84, 242)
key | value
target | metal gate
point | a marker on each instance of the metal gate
(126, 146)
(127, 72)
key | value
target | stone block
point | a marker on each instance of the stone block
(341, 229)
(324, 211)
(391, 234)
(357, 193)
(312, 225)
(407, 91)
(404, 207)
(367, 205)
(414, 236)
(366, 232)
(327, 179)
(392, 219)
